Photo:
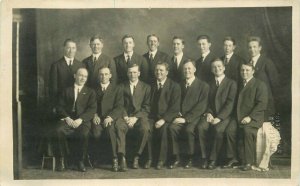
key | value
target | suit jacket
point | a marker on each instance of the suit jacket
(233, 68)
(85, 105)
(204, 68)
(195, 100)
(110, 102)
(93, 69)
(252, 101)
(137, 105)
(222, 99)
(159, 56)
(176, 74)
(168, 102)
(61, 76)
(266, 71)
(122, 67)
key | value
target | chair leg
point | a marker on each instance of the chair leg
(53, 163)
(43, 162)
(89, 161)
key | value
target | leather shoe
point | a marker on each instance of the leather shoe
(204, 164)
(230, 164)
(189, 164)
(135, 164)
(61, 165)
(115, 165)
(123, 165)
(174, 165)
(212, 165)
(81, 166)
(247, 167)
(160, 165)
(148, 164)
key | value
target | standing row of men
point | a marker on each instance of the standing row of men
(206, 99)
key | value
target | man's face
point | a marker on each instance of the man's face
(128, 44)
(203, 45)
(70, 49)
(96, 46)
(161, 72)
(178, 46)
(217, 68)
(246, 72)
(133, 74)
(254, 48)
(189, 70)
(81, 77)
(228, 47)
(104, 75)
(152, 43)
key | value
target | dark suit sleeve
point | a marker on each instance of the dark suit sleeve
(261, 101)
(118, 105)
(200, 107)
(272, 75)
(227, 107)
(53, 84)
(145, 108)
(174, 104)
(61, 112)
(112, 66)
(144, 68)
(91, 107)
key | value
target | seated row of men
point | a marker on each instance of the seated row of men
(161, 112)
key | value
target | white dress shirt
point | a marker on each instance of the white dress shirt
(162, 83)
(77, 90)
(96, 56)
(189, 81)
(205, 54)
(104, 86)
(153, 53)
(132, 86)
(178, 57)
(69, 60)
(128, 54)
(220, 79)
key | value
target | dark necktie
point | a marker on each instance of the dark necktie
(151, 58)
(244, 82)
(95, 59)
(226, 61)
(175, 61)
(133, 91)
(202, 59)
(75, 98)
(217, 83)
(70, 63)
(128, 59)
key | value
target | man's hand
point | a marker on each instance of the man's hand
(108, 121)
(131, 121)
(160, 123)
(96, 119)
(179, 121)
(209, 118)
(246, 120)
(70, 122)
(215, 121)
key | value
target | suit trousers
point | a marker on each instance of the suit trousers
(80, 136)
(247, 143)
(141, 129)
(215, 140)
(186, 129)
(231, 139)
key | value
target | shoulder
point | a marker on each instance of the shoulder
(118, 57)
(85, 60)
(58, 62)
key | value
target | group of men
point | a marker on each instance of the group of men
(210, 103)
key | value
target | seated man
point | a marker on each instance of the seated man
(193, 105)
(109, 109)
(76, 107)
(221, 103)
(165, 105)
(136, 109)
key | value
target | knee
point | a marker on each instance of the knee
(249, 132)
(189, 131)
(96, 134)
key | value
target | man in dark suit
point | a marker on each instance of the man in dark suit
(176, 64)
(76, 107)
(128, 58)
(98, 60)
(231, 60)
(62, 72)
(203, 63)
(266, 71)
(194, 99)
(153, 56)
(165, 105)
(109, 109)
(136, 109)
(222, 97)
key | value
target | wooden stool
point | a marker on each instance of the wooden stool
(48, 158)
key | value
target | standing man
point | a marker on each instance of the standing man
(176, 64)
(109, 109)
(231, 60)
(165, 105)
(128, 58)
(154, 55)
(76, 107)
(62, 72)
(222, 96)
(136, 110)
(203, 65)
(266, 71)
(98, 60)
(194, 99)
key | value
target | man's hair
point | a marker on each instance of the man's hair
(81, 69)
(127, 36)
(255, 38)
(152, 35)
(229, 38)
(204, 37)
(180, 38)
(217, 59)
(132, 66)
(93, 38)
(163, 64)
(248, 64)
(190, 61)
(103, 68)
(68, 40)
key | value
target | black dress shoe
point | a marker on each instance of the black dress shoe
(148, 164)
(160, 165)
(135, 164)
(61, 165)
(204, 164)
(189, 164)
(247, 167)
(115, 165)
(81, 166)
(123, 165)
(175, 164)
(230, 164)
(212, 165)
